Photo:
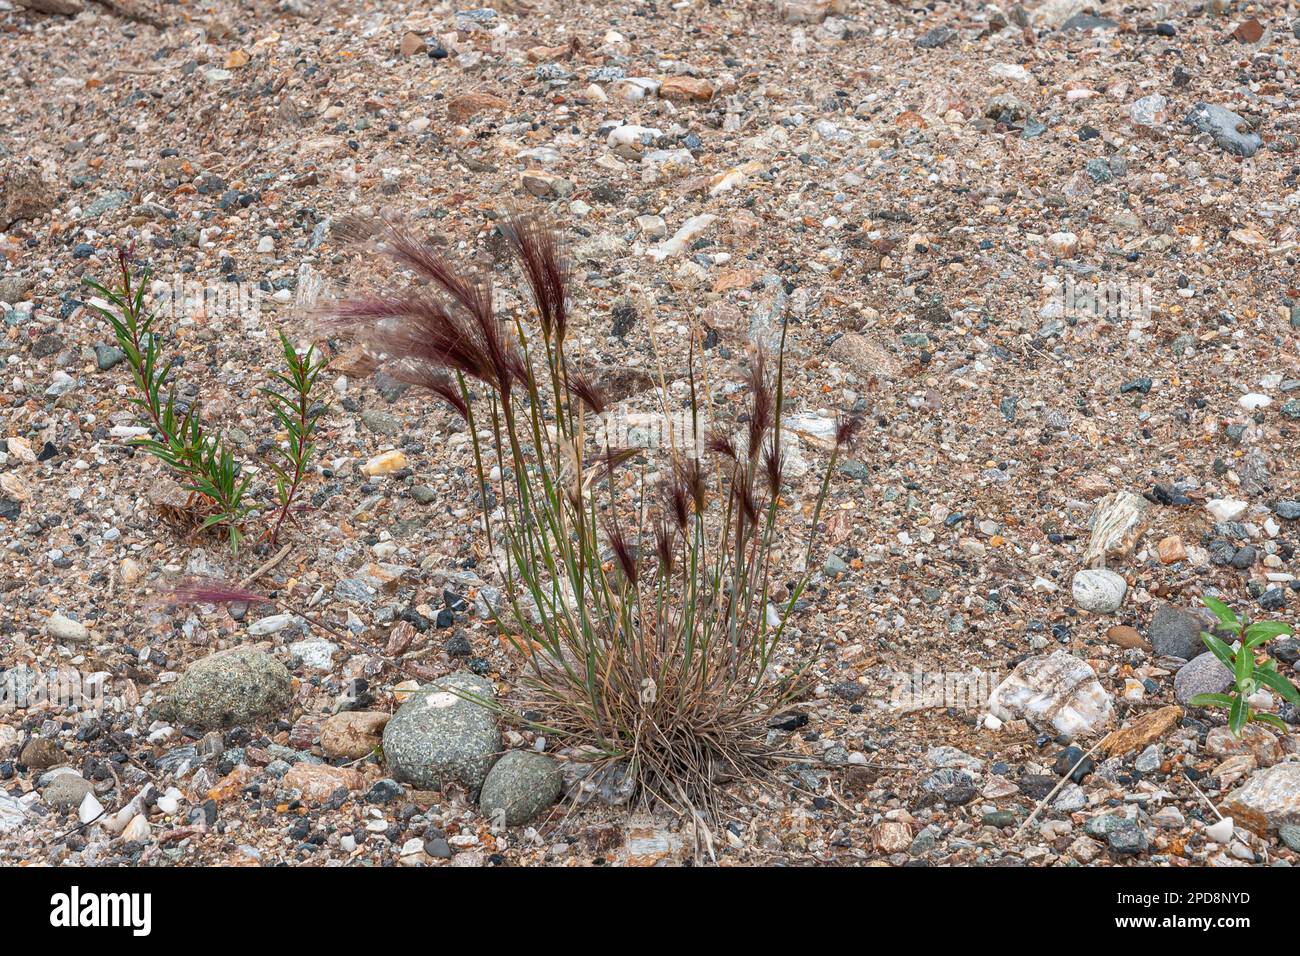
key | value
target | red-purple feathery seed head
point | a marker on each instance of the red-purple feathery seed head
(761, 405)
(773, 467)
(586, 391)
(618, 543)
(212, 591)
(847, 430)
(721, 444)
(546, 270)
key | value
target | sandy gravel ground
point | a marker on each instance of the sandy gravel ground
(992, 231)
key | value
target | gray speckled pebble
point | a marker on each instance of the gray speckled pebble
(1203, 674)
(437, 737)
(1290, 834)
(520, 785)
(232, 688)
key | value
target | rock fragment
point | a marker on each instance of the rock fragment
(520, 785)
(1054, 690)
(232, 689)
(24, 194)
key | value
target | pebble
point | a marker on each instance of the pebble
(381, 423)
(66, 630)
(67, 790)
(935, 38)
(1226, 509)
(520, 785)
(1098, 590)
(314, 654)
(1071, 761)
(1269, 799)
(437, 736)
(1225, 127)
(1056, 690)
(1125, 838)
(138, 830)
(954, 787)
(352, 735)
(1123, 635)
(652, 227)
(892, 836)
(90, 809)
(318, 781)
(1148, 760)
(384, 464)
(272, 624)
(13, 814)
(1176, 632)
(231, 689)
(1203, 674)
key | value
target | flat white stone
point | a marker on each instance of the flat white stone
(65, 629)
(270, 625)
(1226, 509)
(137, 831)
(1220, 832)
(90, 809)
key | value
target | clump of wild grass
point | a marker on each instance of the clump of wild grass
(649, 627)
(205, 464)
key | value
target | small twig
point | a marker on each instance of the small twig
(279, 556)
(1064, 780)
(830, 791)
(313, 621)
(1207, 800)
(80, 826)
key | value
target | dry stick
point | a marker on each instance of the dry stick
(314, 622)
(1208, 803)
(700, 827)
(1064, 780)
(279, 556)
(280, 606)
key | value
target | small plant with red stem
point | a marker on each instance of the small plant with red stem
(204, 463)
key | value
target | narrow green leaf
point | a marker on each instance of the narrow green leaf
(1267, 629)
(1245, 666)
(1221, 611)
(1221, 650)
(1277, 682)
(1237, 715)
(1272, 721)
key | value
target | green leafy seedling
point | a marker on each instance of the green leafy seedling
(1248, 674)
